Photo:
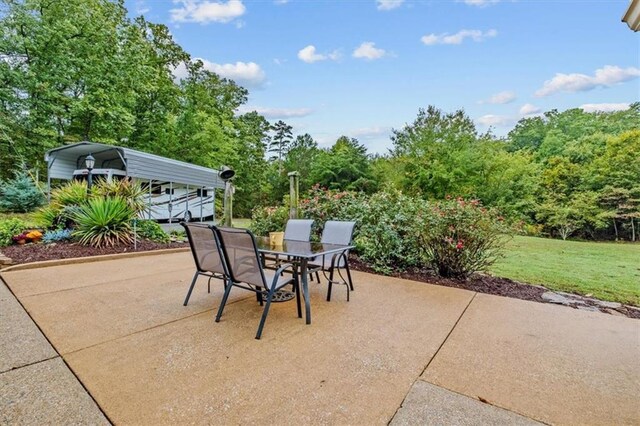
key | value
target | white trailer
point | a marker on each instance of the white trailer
(175, 190)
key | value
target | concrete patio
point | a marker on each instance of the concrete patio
(110, 341)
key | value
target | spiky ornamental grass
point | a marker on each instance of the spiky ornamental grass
(104, 222)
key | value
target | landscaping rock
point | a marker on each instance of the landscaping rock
(559, 299)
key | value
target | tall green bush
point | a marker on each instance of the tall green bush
(20, 194)
(462, 237)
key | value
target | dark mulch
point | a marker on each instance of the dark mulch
(479, 283)
(485, 284)
(39, 252)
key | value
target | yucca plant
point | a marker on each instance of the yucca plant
(129, 191)
(104, 222)
(73, 193)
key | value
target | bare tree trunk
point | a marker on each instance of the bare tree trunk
(615, 228)
(633, 231)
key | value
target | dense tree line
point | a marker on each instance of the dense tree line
(82, 70)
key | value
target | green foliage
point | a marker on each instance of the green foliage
(56, 235)
(125, 189)
(65, 201)
(20, 194)
(9, 228)
(345, 166)
(462, 237)
(269, 219)
(151, 230)
(104, 222)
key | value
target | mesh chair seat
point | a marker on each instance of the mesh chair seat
(244, 267)
(335, 232)
(206, 255)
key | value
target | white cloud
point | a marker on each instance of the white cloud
(205, 11)
(480, 3)
(459, 37)
(495, 120)
(606, 76)
(529, 109)
(368, 50)
(273, 113)
(309, 55)
(606, 107)
(141, 7)
(244, 73)
(389, 4)
(370, 132)
(500, 98)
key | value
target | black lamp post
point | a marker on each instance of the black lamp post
(226, 173)
(89, 162)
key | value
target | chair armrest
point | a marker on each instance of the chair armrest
(279, 271)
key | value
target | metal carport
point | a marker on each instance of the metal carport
(64, 160)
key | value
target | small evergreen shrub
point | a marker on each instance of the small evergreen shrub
(151, 230)
(461, 237)
(20, 195)
(104, 222)
(9, 228)
(56, 235)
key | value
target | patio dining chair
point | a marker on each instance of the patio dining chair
(244, 268)
(296, 230)
(206, 254)
(335, 232)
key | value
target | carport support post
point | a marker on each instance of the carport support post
(228, 203)
(294, 187)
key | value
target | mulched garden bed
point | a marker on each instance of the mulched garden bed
(479, 282)
(38, 252)
(488, 284)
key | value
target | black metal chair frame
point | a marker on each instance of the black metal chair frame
(199, 269)
(333, 267)
(265, 292)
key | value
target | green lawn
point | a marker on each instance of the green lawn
(608, 271)
(241, 223)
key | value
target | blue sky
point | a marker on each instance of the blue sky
(362, 67)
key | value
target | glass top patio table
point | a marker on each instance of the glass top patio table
(301, 252)
(300, 249)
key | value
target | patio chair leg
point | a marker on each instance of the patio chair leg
(346, 266)
(209, 285)
(227, 290)
(330, 285)
(193, 283)
(264, 314)
(317, 277)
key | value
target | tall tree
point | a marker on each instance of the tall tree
(280, 141)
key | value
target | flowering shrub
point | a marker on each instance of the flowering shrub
(19, 237)
(394, 232)
(462, 237)
(34, 235)
(386, 236)
(269, 219)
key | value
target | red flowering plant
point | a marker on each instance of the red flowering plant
(269, 219)
(322, 204)
(461, 237)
